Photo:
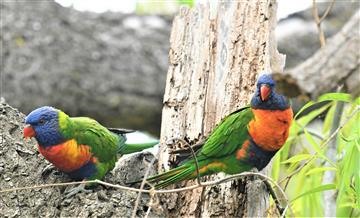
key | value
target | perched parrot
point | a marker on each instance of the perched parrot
(78, 146)
(247, 138)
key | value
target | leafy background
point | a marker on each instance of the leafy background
(306, 166)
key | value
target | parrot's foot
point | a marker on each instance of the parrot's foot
(78, 189)
(254, 170)
(47, 170)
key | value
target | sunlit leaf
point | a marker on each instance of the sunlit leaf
(329, 118)
(317, 189)
(316, 147)
(306, 106)
(189, 3)
(276, 167)
(303, 121)
(357, 101)
(297, 158)
(336, 96)
(348, 204)
(320, 170)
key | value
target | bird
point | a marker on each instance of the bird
(245, 139)
(78, 146)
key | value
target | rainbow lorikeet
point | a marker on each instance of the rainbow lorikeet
(247, 138)
(78, 146)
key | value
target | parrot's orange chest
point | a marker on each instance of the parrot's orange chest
(67, 156)
(270, 128)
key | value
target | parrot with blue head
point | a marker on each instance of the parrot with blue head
(78, 146)
(245, 139)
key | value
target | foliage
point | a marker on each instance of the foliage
(168, 7)
(324, 141)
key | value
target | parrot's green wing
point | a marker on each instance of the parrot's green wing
(103, 144)
(228, 136)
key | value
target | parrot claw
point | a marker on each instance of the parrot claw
(76, 190)
(47, 170)
(254, 170)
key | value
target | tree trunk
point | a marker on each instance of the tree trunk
(336, 63)
(215, 56)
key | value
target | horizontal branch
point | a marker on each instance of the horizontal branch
(125, 188)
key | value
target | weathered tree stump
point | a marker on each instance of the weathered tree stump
(215, 55)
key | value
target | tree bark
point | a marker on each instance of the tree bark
(215, 56)
(336, 63)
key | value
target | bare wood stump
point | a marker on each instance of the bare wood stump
(215, 56)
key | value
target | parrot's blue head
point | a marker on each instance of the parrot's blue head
(265, 96)
(44, 126)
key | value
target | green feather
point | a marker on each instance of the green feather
(104, 144)
(217, 154)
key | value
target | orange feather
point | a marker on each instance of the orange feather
(241, 153)
(68, 156)
(270, 128)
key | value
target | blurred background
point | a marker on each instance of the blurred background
(108, 59)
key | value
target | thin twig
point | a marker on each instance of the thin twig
(274, 196)
(125, 188)
(319, 20)
(195, 160)
(142, 187)
(152, 191)
(311, 133)
(152, 196)
(284, 211)
(328, 9)
(149, 209)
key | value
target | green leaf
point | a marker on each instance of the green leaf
(306, 106)
(316, 147)
(189, 3)
(303, 121)
(329, 118)
(297, 158)
(336, 96)
(357, 101)
(320, 170)
(275, 171)
(317, 189)
(348, 204)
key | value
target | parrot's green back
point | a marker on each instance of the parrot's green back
(103, 143)
(215, 155)
(228, 136)
(88, 149)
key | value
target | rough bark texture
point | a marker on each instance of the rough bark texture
(216, 54)
(22, 165)
(109, 66)
(338, 62)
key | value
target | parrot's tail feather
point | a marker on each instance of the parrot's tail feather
(165, 175)
(131, 148)
(181, 173)
(186, 174)
(120, 131)
(159, 177)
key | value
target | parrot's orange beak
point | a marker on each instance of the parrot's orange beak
(265, 91)
(29, 132)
